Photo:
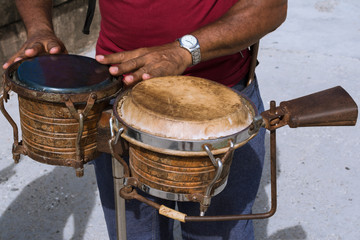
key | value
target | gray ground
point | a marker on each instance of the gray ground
(318, 177)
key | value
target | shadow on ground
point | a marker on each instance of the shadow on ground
(263, 201)
(56, 205)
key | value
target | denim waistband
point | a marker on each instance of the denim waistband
(242, 84)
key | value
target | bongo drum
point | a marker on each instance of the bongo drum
(61, 98)
(182, 132)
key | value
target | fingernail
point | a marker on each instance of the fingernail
(99, 57)
(129, 79)
(5, 65)
(54, 50)
(146, 76)
(29, 51)
(113, 70)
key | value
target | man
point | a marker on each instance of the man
(142, 39)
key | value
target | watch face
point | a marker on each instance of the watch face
(189, 41)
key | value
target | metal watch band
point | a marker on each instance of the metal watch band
(196, 56)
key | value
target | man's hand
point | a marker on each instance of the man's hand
(146, 63)
(41, 42)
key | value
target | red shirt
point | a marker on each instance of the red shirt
(131, 24)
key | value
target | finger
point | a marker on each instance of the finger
(135, 77)
(126, 67)
(55, 50)
(99, 58)
(146, 76)
(11, 60)
(114, 70)
(132, 65)
(111, 58)
(128, 80)
(34, 50)
(155, 72)
(120, 57)
(53, 47)
(6, 65)
(30, 52)
(18, 59)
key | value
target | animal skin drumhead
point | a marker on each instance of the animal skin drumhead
(185, 108)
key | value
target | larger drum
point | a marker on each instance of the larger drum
(182, 132)
(61, 98)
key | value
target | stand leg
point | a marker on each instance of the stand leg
(118, 175)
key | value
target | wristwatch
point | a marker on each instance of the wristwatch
(190, 43)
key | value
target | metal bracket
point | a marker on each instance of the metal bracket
(256, 124)
(17, 147)
(115, 137)
(275, 117)
(218, 164)
(80, 116)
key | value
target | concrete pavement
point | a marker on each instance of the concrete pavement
(318, 47)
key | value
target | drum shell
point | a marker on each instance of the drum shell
(49, 131)
(175, 174)
(168, 122)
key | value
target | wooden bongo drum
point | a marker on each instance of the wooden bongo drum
(61, 98)
(182, 132)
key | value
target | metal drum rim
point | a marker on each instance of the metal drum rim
(182, 197)
(106, 93)
(179, 147)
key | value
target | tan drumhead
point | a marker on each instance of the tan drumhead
(184, 107)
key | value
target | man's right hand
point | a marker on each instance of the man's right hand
(38, 43)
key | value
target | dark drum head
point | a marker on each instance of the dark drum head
(63, 74)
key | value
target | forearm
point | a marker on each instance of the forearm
(36, 15)
(41, 39)
(244, 24)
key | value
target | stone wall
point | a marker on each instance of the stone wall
(68, 18)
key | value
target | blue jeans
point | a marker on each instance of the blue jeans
(143, 222)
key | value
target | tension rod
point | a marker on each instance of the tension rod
(273, 185)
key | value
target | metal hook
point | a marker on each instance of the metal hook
(219, 167)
